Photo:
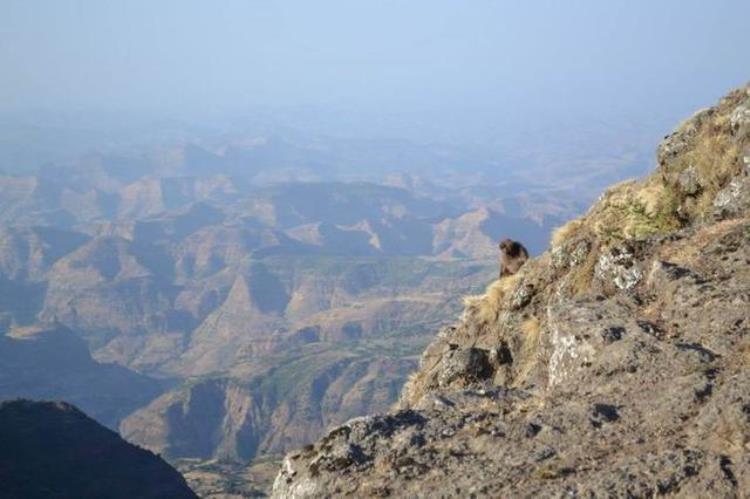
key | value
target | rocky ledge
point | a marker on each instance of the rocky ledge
(617, 364)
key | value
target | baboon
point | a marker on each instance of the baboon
(512, 257)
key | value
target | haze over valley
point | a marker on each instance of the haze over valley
(222, 299)
(227, 228)
(232, 302)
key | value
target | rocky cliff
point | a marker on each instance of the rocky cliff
(236, 419)
(614, 365)
(51, 449)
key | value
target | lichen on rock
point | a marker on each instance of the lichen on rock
(620, 267)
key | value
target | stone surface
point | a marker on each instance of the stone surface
(469, 364)
(689, 182)
(733, 199)
(619, 267)
(570, 254)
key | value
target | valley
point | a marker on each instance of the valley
(224, 305)
(213, 317)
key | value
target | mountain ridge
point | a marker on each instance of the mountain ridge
(51, 449)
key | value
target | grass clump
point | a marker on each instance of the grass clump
(582, 276)
(635, 210)
(486, 308)
(566, 232)
(716, 159)
(708, 148)
(528, 351)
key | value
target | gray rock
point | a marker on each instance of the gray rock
(734, 199)
(579, 252)
(740, 118)
(688, 181)
(521, 296)
(560, 257)
(469, 365)
(570, 254)
(619, 266)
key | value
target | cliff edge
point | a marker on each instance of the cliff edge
(615, 364)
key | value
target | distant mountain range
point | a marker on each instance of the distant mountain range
(233, 301)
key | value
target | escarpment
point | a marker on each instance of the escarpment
(614, 365)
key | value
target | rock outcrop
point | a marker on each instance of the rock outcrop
(614, 365)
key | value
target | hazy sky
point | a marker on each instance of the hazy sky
(437, 59)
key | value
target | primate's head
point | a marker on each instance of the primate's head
(506, 244)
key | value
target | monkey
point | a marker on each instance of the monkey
(512, 257)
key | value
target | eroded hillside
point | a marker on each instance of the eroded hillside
(615, 364)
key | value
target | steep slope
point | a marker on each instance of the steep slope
(26, 254)
(51, 362)
(51, 449)
(236, 420)
(241, 325)
(614, 365)
(475, 234)
(272, 305)
(111, 293)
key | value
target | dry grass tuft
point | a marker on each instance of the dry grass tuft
(411, 391)
(486, 308)
(531, 329)
(716, 160)
(528, 351)
(566, 232)
(712, 151)
(582, 276)
(634, 210)
(472, 301)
